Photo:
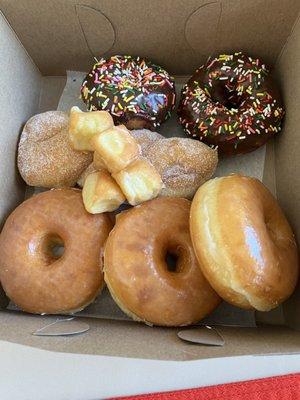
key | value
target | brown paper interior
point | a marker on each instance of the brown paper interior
(130, 339)
(287, 151)
(264, 29)
(180, 35)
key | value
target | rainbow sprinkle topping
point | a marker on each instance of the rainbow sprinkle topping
(130, 87)
(230, 103)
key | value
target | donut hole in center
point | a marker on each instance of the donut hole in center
(221, 95)
(53, 247)
(172, 260)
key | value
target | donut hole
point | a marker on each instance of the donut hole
(221, 95)
(53, 247)
(173, 258)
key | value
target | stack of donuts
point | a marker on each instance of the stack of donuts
(185, 241)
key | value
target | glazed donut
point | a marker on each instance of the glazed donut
(232, 103)
(243, 242)
(31, 275)
(144, 138)
(137, 93)
(137, 274)
(184, 164)
(45, 157)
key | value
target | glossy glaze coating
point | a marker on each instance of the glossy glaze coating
(31, 275)
(243, 242)
(136, 92)
(231, 103)
(137, 274)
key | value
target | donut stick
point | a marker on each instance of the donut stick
(116, 147)
(139, 182)
(101, 193)
(84, 125)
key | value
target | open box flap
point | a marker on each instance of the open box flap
(287, 151)
(135, 340)
(176, 34)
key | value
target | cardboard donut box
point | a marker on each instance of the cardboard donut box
(41, 40)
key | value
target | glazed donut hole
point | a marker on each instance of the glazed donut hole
(84, 125)
(116, 148)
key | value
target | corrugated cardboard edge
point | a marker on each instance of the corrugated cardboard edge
(287, 151)
(20, 101)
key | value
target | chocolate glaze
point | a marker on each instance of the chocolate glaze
(231, 103)
(137, 93)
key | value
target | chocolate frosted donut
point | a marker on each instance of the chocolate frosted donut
(232, 103)
(137, 93)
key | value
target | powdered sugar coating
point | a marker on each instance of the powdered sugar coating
(145, 137)
(45, 157)
(184, 165)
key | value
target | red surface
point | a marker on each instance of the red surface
(285, 387)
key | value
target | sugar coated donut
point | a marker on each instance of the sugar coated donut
(184, 164)
(137, 274)
(243, 242)
(45, 156)
(145, 137)
(231, 102)
(36, 279)
(137, 93)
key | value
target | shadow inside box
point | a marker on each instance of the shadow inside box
(104, 307)
(224, 314)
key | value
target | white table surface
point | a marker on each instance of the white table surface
(30, 373)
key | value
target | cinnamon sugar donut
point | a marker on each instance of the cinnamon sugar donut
(143, 283)
(45, 157)
(145, 137)
(243, 242)
(32, 276)
(184, 164)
